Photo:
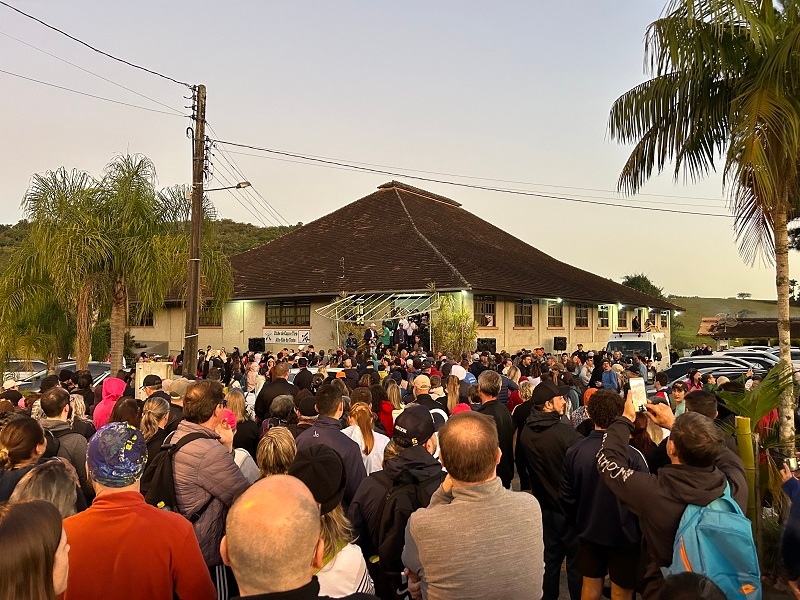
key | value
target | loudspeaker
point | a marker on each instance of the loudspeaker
(256, 344)
(487, 345)
(559, 344)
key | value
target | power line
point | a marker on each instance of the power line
(529, 183)
(119, 85)
(66, 89)
(468, 185)
(111, 56)
(249, 199)
(224, 154)
(227, 183)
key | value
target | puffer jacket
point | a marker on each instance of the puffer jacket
(204, 468)
(113, 389)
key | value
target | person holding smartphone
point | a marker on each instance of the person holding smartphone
(791, 535)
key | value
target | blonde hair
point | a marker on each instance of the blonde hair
(395, 397)
(78, 408)
(655, 432)
(155, 408)
(362, 415)
(513, 374)
(336, 531)
(453, 392)
(526, 390)
(275, 452)
(236, 404)
(323, 370)
(391, 450)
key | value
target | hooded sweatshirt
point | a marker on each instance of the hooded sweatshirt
(545, 439)
(658, 500)
(112, 391)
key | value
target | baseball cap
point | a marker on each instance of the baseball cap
(459, 372)
(546, 391)
(321, 469)
(590, 354)
(151, 380)
(10, 383)
(414, 425)
(308, 407)
(179, 387)
(427, 364)
(422, 382)
(116, 455)
(476, 356)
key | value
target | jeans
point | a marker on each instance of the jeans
(560, 541)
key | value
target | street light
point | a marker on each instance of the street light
(238, 186)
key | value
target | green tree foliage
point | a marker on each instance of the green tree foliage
(454, 328)
(725, 76)
(642, 283)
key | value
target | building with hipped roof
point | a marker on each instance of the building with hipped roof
(380, 257)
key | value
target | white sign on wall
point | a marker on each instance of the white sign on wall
(287, 336)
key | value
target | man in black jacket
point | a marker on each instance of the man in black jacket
(415, 465)
(274, 389)
(546, 438)
(304, 377)
(489, 384)
(420, 390)
(660, 500)
(608, 533)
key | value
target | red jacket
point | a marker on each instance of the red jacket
(386, 417)
(121, 547)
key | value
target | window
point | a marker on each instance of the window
(664, 319)
(582, 316)
(603, 312)
(288, 314)
(622, 319)
(210, 316)
(523, 312)
(555, 314)
(484, 310)
(144, 320)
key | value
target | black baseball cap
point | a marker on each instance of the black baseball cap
(151, 380)
(321, 469)
(414, 425)
(546, 391)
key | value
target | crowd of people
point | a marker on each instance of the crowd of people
(376, 469)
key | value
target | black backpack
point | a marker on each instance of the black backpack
(399, 502)
(158, 481)
(53, 443)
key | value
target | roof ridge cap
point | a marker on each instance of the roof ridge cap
(429, 243)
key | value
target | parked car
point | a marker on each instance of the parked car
(681, 368)
(766, 360)
(99, 371)
(19, 369)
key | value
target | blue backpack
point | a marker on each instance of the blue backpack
(717, 541)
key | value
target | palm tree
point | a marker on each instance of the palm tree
(724, 85)
(94, 243)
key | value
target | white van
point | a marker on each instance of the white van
(652, 344)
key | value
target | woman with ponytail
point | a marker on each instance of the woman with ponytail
(22, 445)
(372, 443)
(154, 418)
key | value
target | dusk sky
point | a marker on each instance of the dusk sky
(514, 91)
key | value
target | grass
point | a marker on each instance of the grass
(697, 308)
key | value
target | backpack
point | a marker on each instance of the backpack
(717, 541)
(399, 502)
(158, 481)
(53, 443)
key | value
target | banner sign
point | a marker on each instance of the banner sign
(287, 336)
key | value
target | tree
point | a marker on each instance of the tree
(453, 327)
(98, 242)
(725, 76)
(744, 295)
(642, 283)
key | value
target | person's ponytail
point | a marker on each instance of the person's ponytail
(154, 410)
(362, 415)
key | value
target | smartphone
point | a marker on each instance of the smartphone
(791, 463)
(639, 393)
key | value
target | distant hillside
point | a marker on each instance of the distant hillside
(697, 308)
(234, 237)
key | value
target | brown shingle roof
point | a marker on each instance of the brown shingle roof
(401, 238)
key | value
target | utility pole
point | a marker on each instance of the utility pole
(190, 341)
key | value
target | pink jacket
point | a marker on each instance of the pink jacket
(112, 390)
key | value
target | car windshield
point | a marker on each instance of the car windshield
(628, 347)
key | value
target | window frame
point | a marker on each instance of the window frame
(622, 324)
(287, 313)
(581, 316)
(523, 312)
(555, 320)
(209, 316)
(603, 308)
(484, 301)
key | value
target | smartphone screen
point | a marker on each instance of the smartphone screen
(639, 393)
(792, 463)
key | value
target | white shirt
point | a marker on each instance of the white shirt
(374, 460)
(346, 574)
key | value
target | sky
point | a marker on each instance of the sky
(507, 91)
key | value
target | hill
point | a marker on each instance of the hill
(697, 308)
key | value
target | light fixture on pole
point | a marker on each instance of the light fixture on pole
(238, 186)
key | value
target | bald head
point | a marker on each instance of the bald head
(469, 447)
(272, 536)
